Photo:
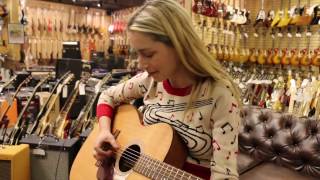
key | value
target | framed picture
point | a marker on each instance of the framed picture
(15, 34)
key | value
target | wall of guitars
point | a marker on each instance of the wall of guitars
(271, 48)
(49, 24)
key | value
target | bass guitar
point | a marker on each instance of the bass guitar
(146, 152)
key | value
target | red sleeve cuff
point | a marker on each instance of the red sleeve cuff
(104, 110)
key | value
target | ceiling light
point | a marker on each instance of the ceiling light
(99, 4)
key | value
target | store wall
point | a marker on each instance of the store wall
(11, 49)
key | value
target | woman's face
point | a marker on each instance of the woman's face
(158, 59)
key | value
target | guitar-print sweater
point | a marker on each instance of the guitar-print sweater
(209, 128)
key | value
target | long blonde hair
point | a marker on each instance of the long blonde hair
(166, 18)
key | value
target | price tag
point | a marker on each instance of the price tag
(280, 35)
(82, 89)
(97, 87)
(65, 91)
(59, 88)
(289, 35)
(298, 35)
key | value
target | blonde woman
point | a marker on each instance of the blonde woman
(183, 86)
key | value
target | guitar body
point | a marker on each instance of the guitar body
(305, 59)
(220, 53)
(158, 141)
(253, 55)
(294, 58)
(269, 56)
(285, 59)
(261, 57)
(316, 58)
(276, 58)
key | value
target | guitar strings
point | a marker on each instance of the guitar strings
(145, 159)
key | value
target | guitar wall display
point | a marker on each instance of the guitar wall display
(292, 17)
(49, 25)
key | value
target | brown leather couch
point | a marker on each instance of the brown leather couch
(276, 146)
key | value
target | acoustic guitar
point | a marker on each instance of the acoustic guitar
(294, 60)
(277, 56)
(285, 59)
(316, 58)
(146, 152)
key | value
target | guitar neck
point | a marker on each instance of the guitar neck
(6, 84)
(25, 107)
(155, 169)
(69, 102)
(11, 101)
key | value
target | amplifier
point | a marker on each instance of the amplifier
(51, 158)
(15, 162)
(12, 113)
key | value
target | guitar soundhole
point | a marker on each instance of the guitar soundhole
(129, 158)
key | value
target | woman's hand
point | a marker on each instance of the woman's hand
(104, 139)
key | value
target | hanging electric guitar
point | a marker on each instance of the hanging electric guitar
(306, 17)
(21, 125)
(139, 156)
(44, 109)
(45, 122)
(261, 15)
(3, 119)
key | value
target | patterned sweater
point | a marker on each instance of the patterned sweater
(209, 128)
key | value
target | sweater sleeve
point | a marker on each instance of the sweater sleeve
(225, 120)
(134, 88)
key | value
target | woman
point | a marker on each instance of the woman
(183, 86)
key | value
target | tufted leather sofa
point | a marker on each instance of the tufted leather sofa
(278, 146)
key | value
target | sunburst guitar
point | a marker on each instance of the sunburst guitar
(146, 152)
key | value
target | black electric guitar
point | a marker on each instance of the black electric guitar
(21, 125)
(44, 109)
(146, 152)
(3, 119)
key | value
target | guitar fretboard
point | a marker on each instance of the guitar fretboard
(155, 169)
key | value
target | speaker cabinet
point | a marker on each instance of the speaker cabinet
(12, 113)
(15, 162)
(51, 159)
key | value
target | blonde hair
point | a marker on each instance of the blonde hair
(167, 21)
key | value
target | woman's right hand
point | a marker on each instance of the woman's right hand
(105, 137)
